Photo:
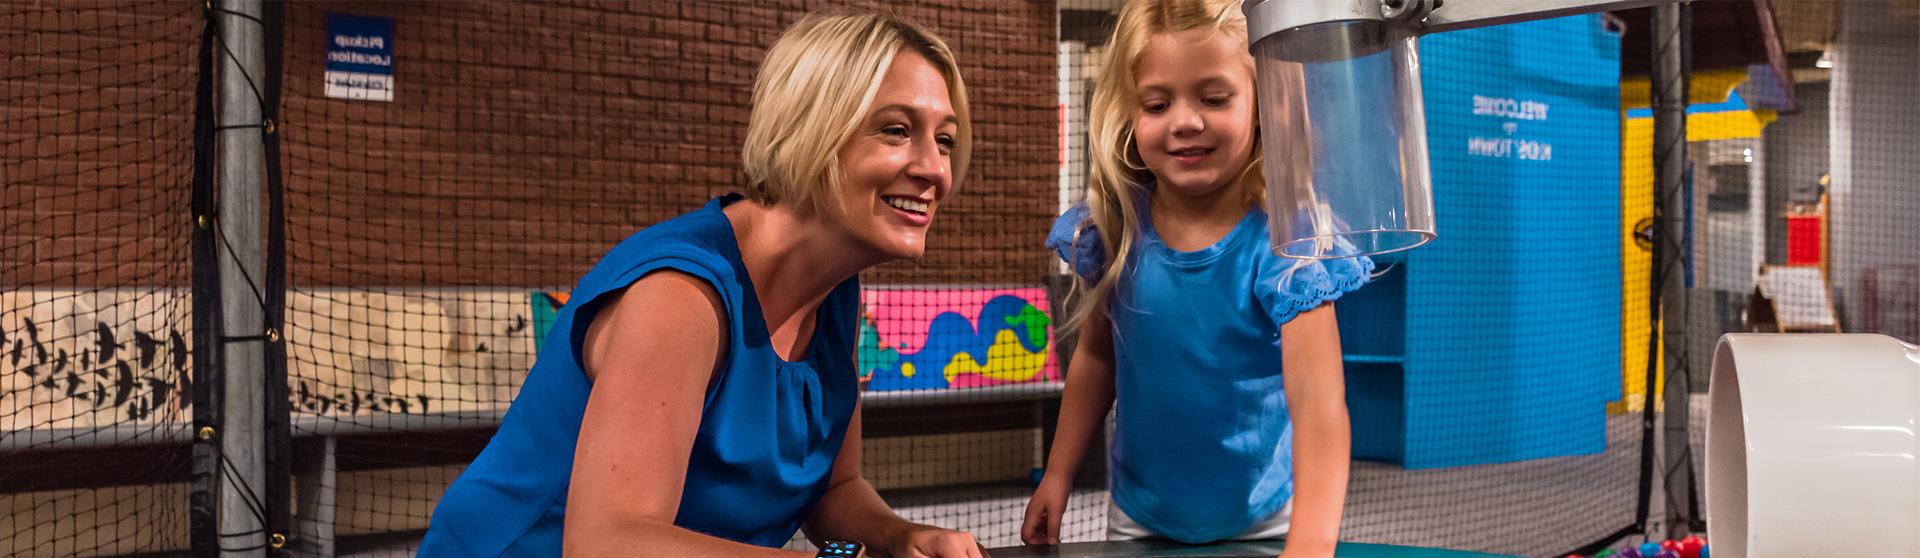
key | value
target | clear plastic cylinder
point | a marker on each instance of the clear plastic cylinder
(1343, 140)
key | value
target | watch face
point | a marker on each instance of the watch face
(839, 548)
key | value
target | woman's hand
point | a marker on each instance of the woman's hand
(852, 510)
(922, 541)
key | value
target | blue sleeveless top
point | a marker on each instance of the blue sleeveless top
(769, 429)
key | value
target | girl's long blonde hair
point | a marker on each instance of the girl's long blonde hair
(1117, 177)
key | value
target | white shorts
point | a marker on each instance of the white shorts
(1123, 528)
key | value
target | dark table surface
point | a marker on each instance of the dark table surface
(1260, 549)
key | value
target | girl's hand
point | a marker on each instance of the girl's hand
(922, 541)
(1304, 550)
(1043, 511)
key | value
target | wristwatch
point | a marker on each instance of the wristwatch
(841, 549)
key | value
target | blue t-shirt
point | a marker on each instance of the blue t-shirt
(1202, 444)
(769, 429)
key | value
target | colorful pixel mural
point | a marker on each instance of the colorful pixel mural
(85, 359)
(546, 308)
(913, 339)
(951, 338)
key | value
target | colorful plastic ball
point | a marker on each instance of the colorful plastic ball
(1608, 553)
(1667, 553)
(1649, 548)
(1629, 552)
(1704, 551)
(1690, 546)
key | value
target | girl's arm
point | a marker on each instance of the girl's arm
(1322, 439)
(651, 353)
(1088, 397)
(852, 510)
(1083, 409)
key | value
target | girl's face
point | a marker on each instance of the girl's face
(897, 166)
(1195, 125)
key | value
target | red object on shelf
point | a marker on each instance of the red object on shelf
(1803, 239)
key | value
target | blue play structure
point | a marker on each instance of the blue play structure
(1499, 341)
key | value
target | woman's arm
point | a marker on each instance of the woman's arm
(852, 510)
(1315, 383)
(651, 353)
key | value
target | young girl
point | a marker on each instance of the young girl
(1221, 359)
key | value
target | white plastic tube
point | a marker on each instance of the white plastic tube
(1813, 446)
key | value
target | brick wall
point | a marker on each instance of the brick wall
(96, 142)
(526, 139)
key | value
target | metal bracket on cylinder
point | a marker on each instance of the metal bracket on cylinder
(1266, 17)
(1407, 10)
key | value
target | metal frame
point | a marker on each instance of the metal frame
(1268, 17)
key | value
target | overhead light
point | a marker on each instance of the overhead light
(1825, 61)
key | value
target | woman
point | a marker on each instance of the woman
(697, 396)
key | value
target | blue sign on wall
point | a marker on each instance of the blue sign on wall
(1524, 130)
(1500, 340)
(359, 57)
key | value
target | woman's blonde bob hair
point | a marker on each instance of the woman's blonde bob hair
(816, 85)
